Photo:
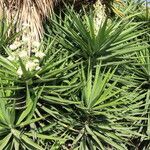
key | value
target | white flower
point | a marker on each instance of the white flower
(19, 72)
(36, 44)
(23, 54)
(34, 50)
(36, 60)
(30, 65)
(25, 39)
(11, 58)
(38, 68)
(39, 54)
(99, 15)
(15, 45)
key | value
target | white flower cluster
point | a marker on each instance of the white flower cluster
(99, 15)
(25, 40)
(31, 62)
(15, 45)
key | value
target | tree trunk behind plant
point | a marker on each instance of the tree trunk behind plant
(28, 15)
(1, 11)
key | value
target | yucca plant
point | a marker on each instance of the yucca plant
(103, 116)
(137, 77)
(137, 71)
(22, 81)
(110, 41)
(14, 128)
